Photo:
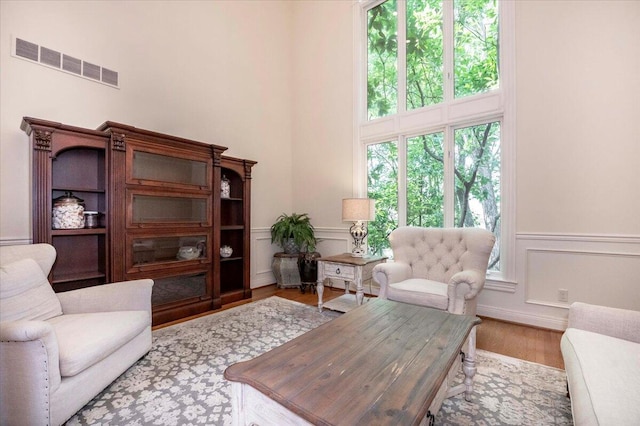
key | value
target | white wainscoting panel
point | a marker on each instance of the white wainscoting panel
(330, 241)
(598, 269)
(605, 278)
(262, 252)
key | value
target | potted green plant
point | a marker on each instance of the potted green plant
(293, 233)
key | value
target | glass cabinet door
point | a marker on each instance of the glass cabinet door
(177, 288)
(149, 250)
(157, 169)
(169, 209)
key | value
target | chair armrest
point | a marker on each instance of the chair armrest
(29, 368)
(614, 322)
(462, 290)
(123, 296)
(389, 273)
(466, 284)
(24, 331)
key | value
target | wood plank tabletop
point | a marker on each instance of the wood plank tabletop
(348, 258)
(381, 363)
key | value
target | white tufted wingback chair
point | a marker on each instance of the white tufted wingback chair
(443, 268)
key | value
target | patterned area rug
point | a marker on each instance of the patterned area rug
(510, 391)
(180, 382)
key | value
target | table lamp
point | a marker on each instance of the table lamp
(358, 211)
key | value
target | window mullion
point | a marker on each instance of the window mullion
(402, 180)
(402, 55)
(448, 60)
(449, 177)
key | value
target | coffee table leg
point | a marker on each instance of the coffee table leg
(469, 365)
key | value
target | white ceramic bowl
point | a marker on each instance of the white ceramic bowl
(226, 251)
(188, 253)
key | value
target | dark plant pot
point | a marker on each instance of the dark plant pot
(290, 246)
(308, 266)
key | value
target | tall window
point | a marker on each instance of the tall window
(432, 131)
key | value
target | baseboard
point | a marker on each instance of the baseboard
(542, 321)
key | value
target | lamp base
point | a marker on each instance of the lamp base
(358, 232)
(358, 253)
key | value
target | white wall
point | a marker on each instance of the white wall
(217, 72)
(578, 73)
(322, 127)
(274, 80)
(578, 150)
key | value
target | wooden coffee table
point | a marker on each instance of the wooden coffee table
(383, 363)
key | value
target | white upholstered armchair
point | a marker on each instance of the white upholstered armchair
(58, 351)
(441, 268)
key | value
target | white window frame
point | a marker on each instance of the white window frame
(494, 105)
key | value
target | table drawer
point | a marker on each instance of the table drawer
(340, 271)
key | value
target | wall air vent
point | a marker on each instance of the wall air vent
(51, 58)
(109, 77)
(27, 50)
(71, 64)
(90, 70)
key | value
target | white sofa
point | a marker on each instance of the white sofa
(58, 351)
(601, 351)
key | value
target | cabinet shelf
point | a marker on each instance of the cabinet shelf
(79, 189)
(66, 278)
(232, 199)
(230, 259)
(165, 264)
(79, 231)
(232, 227)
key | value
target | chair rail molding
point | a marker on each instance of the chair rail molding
(15, 241)
(595, 268)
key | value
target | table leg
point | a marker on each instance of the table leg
(359, 286)
(359, 292)
(320, 290)
(469, 365)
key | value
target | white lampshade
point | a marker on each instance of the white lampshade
(358, 209)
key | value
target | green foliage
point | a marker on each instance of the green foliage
(477, 148)
(296, 226)
(476, 46)
(382, 90)
(425, 180)
(477, 176)
(382, 181)
(424, 53)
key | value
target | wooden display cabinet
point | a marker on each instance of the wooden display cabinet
(162, 215)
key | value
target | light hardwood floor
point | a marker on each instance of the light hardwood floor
(514, 340)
